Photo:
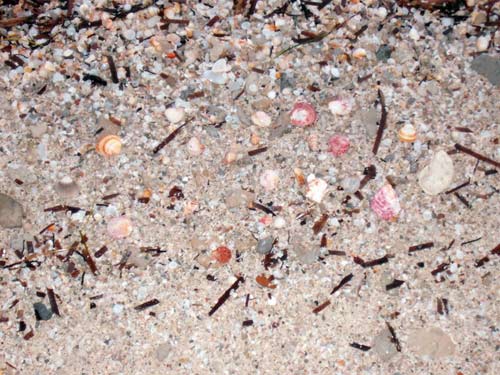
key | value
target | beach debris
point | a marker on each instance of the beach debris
(385, 203)
(438, 175)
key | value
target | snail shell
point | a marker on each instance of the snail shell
(385, 203)
(109, 145)
(407, 133)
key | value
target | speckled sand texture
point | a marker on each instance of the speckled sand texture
(224, 236)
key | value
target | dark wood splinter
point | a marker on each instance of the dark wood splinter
(169, 139)
(382, 123)
(147, 304)
(226, 295)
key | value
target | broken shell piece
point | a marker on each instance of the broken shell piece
(438, 175)
(109, 145)
(174, 114)
(230, 157)
(313, 142)
(299, 176)
(359, 53)
(340, 106)
(407, 133)
(269, 179)
(261, 119)
(338, 145)
(385, 203)
(67, 188)
(316, 188)
(303, 114)
(254, 139)
(195, 147)
(119, 227)
(222, 255)
(218, 73)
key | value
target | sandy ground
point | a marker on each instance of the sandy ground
(148, 303)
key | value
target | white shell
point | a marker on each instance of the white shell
(269, 179)
(340, 106)
(359, 53)
(438, 175)
(261, 119)
(174, 114)
(195, 147)
(316, 188)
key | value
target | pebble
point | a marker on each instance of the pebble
(383, 53)
(11, 212)
(163, 350)
(265, 245)
(438, 175)
(41, 311)
(117, 309)
(350, 184)
(489, 67)
(431, 342)
(383, 345)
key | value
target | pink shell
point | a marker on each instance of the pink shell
(385, 203)
(119, 227)
(303, 114)
(338, 145)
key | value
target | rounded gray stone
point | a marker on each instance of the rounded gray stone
(11, 212)
(265, 245)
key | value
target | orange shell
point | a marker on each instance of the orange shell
(222, 255)
(407, 133)
(109, 145)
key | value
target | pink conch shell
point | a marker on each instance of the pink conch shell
(338, 145)
(385, 203)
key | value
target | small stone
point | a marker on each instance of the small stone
(370, 119)
(11, 212)
(316, 188)
(413, 34)
(261, 119)
(350, 184)
(163, 350)
(239, 198)
(482, 43)
(489, 67)
(431, 342)
(279, 222)
(265, 245)
(438, 175)
(175, 114)
(383, 53)
(42, 312)
(269, 179)
(383, 345)
(117, 309)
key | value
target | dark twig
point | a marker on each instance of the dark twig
(474, 154)
(169, 139)
(382, 124)
(226, 295)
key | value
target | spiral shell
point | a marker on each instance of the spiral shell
(313, 142)
(303, 114)
(407, 133)
(385, 203)
(109, 145)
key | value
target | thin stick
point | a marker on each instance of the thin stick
(474, 154)
(383, 122)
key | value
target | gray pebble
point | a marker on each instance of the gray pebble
(11, 212)
(265, 245)
(383, 53)
(489, 67)
(41, 311)
(383, 345)
(163, 351)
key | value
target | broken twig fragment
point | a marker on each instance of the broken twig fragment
(226, 295)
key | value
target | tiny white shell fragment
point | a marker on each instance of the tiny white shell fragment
(340, 106)
(175, 114)
(316, 188)
(269, 179)
(195, 147)
(438, 175)
(261, 119)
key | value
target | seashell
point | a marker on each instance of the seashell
(175, 114)
(316, 188)
(385, 203)
(407, 133)
(119, 227)
(195, 147)
(109, 145)
(67, 188)
(359, 53)
(438, 175)
(254, 139)
(303, 114)
(261, 119)
(222, 255)
(299, 176)
(230, 157)
(482, 43)
(340, 106)
(269, 179)
(313, 142)
(338, 145)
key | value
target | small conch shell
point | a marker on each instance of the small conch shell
(109, 145)
(407, 133)
(385, 203)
